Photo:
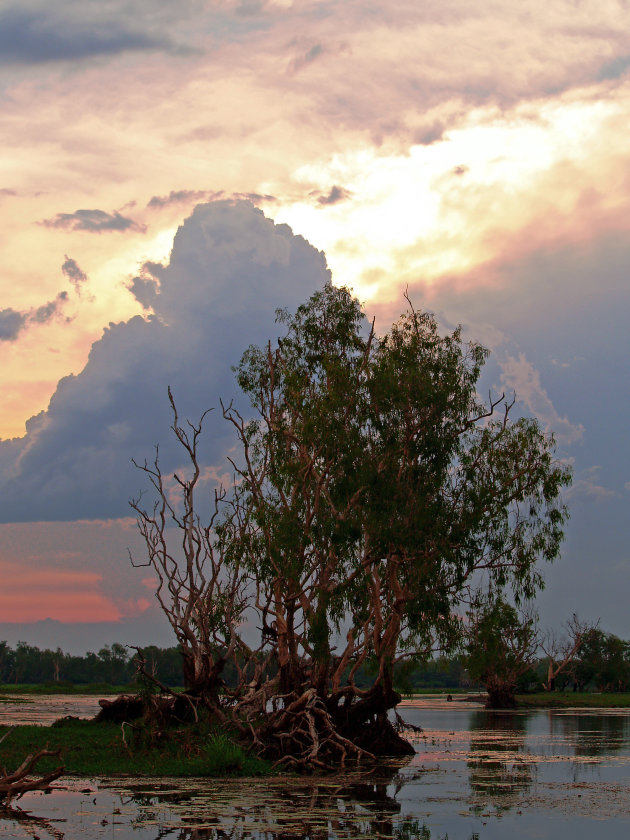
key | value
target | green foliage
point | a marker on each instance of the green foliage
(501, 646)
(375, 473)
(603, 662)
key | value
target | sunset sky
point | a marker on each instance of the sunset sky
(474, 153)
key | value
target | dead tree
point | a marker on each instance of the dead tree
(202, 596)
(561, 651)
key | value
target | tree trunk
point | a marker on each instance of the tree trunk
(366, 722)
(501, 697)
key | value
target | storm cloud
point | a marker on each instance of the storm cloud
(230, 269)
(40, 32)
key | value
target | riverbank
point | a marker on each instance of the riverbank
(105, 749)
(55, 688)
(573, 700)
(539, 700)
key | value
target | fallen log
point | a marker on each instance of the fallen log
(16, 784)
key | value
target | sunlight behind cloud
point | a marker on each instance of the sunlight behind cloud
(442, 208)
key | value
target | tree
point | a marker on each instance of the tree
(201, 594)
(372, 486)
(562, 650)
(501, 646)
(603, 661)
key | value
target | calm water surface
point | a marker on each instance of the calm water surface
(476, 775)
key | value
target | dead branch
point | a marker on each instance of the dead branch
(16, 784)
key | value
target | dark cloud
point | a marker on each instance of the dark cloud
(94, 221)
(614, 68)
(230, 269)
(255, 198)
(12, 322)
(308, 57)
(74, 274)
(427, 136)
(6, 191)
(190, 196)
(249, 7)
(39, 32)
(145, 287)
(183, 196)
(44, 313)
(336, 195)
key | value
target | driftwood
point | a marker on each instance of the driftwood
(13, 785)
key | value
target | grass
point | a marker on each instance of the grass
(570, 699)
(98, 749)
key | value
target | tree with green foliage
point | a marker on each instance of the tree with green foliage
(501, 643)
(372, 486)
(603, 662)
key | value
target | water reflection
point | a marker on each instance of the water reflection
(407, 830)
(595, 734)
(477, 775)
(32, 825)
(498, 770)
(341, 808)
(317, 809)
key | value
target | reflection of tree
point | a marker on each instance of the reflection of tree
(36, 827)
(408, 829)
(596, 734)
(314, 809)
(496, 769)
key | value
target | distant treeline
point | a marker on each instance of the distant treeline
(602, 664)
(112, 664)
(115, 665)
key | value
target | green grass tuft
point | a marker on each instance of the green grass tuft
(97, 749)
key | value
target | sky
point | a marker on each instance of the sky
(174, 170)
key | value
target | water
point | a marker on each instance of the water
(42, 710)
(476, 775)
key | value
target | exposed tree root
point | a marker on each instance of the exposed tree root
(296, 730)
(304, 736)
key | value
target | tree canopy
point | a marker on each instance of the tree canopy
(373, 488)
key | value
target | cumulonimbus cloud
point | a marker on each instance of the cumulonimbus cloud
(230, 269)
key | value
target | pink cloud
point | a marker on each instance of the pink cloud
(66, 595)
